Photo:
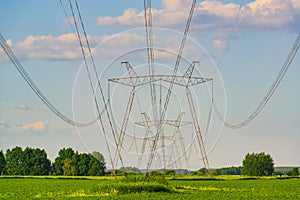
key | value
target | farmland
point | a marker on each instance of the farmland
(175, 188)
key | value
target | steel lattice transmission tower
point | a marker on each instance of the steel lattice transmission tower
(134, 81)
(148, 123)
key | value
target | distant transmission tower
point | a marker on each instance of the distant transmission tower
(148, 123)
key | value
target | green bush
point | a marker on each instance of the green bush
(170, 172)
(127, 188)
(295, 171)
(140, 178)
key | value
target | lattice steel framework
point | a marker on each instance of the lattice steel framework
(134, 81)
(148, 123)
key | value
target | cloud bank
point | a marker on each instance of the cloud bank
(39, 126)
(214, 14)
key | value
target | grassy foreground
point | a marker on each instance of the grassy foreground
(181, 188)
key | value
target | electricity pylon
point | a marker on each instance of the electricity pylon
(148, 123)
(186, 80)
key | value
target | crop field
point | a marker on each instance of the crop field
(132, 188)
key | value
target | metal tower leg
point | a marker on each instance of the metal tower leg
(124, 126)
(143, 149)
(177, 153)
(146, 122)
(183, 148)
(197, 128)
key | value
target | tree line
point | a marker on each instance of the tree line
(34, 161)
(254, 164)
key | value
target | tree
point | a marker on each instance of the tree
(229, 171)
(84, 164)
(2, 163)
(295, 171)
(130, 170)
(155, 173)
(258, 164)
(28, 162)
(15, 161)
(36, 162)
(75, 161)
(200, 172)
(63, 154)
(99, 157)
(70, 163)
(170, 172)
(97, 168)
(68, 167)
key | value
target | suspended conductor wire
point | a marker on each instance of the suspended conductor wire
(91, 83)
(92, 59)
(273, 87)
(210, 109)
(187, 26)
(110, 108)
(150, 52)
(67, 17)
(269, 93)
(97, 77)
(236, 21)
(36, 89)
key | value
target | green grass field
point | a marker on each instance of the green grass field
(181, 188)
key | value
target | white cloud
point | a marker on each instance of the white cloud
(269, 13)
(219, 44)
(217, 8)
(213, 13)
(163, 54)
(175, 4)
(9, 42)
(39, 126)
(66, 46)
(22, 107)
(69, 21)
(48, 46)
(2, 125)
(129, 17)
(260, 14)
(106, 21)
(296, 4)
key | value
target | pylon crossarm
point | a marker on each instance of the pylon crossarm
(184, 81)
(137, 81)
(177, 123)
(168, 122)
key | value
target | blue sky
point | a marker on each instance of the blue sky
(42, 39)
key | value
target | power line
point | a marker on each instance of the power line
(35, 88)
(269, 93)
(187, 26)
(97, 75)
(150, 52)
(231, 33)
(90, 79)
